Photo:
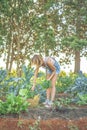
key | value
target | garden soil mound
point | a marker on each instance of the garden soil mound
(74, 118)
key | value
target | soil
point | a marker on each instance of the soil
(65, 118)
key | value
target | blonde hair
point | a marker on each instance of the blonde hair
(37, 60)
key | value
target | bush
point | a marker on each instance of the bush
(64, 81)
(78, 88)
(11, 84)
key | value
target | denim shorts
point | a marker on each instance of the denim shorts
(57, 66)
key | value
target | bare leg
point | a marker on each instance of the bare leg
(48, 92)
(53, 89)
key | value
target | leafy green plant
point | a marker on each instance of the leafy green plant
(3, 75)
(19, 124)
(27, 75)
(27, 93)
(23, 92)
(13, 104)
(42, 92)
(3, 107)
(73, 127)
(13, 84)
(35, 125)
(46, 84)
(62, 102)
(65, 101)
(64, 82)
(82, 99)
(58, 104)
(78, 89)
(10, 85)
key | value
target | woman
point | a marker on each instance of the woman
(52, 71)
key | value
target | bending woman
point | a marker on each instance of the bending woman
(52, 71)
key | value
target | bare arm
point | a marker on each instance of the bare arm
(35, 77)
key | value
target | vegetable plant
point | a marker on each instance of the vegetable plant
(64, 82)
(82, 99)
(13, 104)
(78, 89)
(46, 84)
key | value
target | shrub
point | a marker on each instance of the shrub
(78, 88)
(12, 84)
(64, 81)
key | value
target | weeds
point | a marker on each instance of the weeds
(72, 127)
(35, 125)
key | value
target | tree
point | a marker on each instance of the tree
(17, 32)
(29, 26)
(75, 22)
(44, 26)
(31, 29)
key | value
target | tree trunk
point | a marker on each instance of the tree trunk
(77, 62)
(8, 57)
(11, 59)
(18, 56)
(78, 27)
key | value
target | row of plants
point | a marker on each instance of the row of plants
(15, 91)
(11, 99)
(64, 81)
(78, 90)
(13, 104)
(75, 85)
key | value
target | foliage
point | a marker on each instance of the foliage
(46, 84)
(82, 99)
(62, 102)
(74, 42)
(42, 81)
(11, 84)
(27, 26)
(42, 85)
(28, 72)
(74, 31)
(35, 125)
(20, 89)
(3, 74)
(64, 81)
(79, 89)
(16, 90)
(73, 127)
(13, 104)
(42, 92)
(23, 92)
(13, 73)
(32, 24)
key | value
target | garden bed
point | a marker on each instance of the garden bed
(64, 118)
(64, 115)
(50, 124)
